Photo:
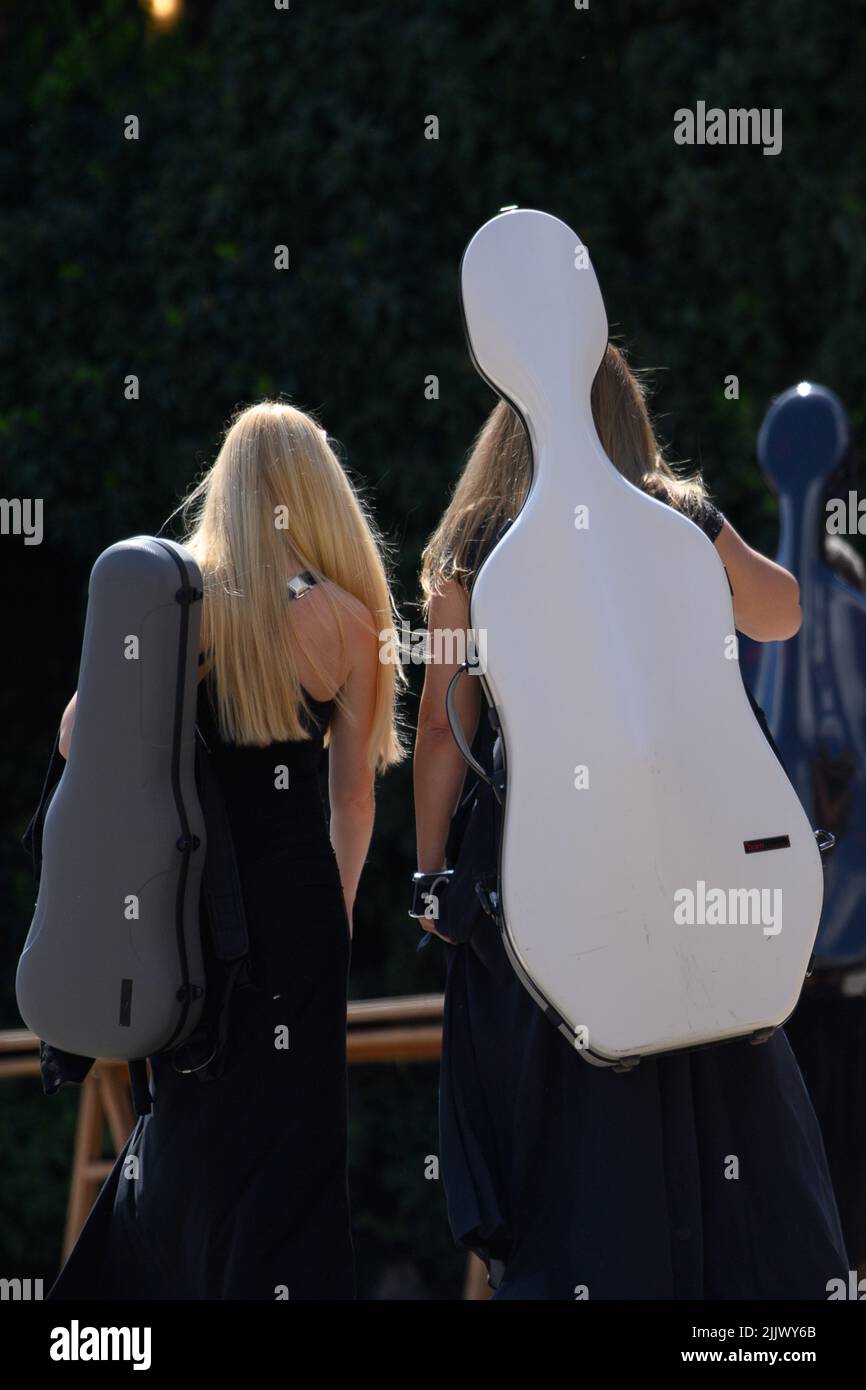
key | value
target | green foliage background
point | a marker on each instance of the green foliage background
(306, 127)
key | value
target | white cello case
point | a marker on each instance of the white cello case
(610, 648)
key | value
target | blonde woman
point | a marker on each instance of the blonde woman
(239, 1188)
(571, 1181)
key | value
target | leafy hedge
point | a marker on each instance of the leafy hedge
(261, 127)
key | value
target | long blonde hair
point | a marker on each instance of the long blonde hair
(276, 494)
(495, 481)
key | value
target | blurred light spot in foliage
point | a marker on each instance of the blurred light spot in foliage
(86, 372)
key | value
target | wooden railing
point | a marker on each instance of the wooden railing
(379, 1030)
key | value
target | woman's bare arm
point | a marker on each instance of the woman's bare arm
(766, 597)
(66, 725)
(438, 766)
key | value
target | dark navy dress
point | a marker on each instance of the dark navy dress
(575, 1181)
(237, 1188)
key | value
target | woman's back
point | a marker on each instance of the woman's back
(566, 1177)
(243, 1163)
(272, 793)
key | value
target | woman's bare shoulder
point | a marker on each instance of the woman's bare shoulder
(354, 608)
(449, 605)
(337, 628)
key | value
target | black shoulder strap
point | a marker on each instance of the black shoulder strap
(202, 1055)
(221, 882)
(140, 1087)
(32, 837)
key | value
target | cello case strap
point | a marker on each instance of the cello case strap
(32, 837)
(140, 1087)
(221, 883)
(481, 547)
(202, 1055)
(459, 736)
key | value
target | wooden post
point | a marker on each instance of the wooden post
(84, 1182)
(379, 1030)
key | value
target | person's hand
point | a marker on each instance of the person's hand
(428, 921)
(429, 925)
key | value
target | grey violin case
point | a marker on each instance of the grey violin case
(113, 963)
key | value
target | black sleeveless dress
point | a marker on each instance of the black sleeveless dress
(573, 1181)
(241, 1188)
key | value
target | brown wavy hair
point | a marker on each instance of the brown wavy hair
(495, 481)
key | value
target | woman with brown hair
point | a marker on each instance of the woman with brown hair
(697, 1175)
